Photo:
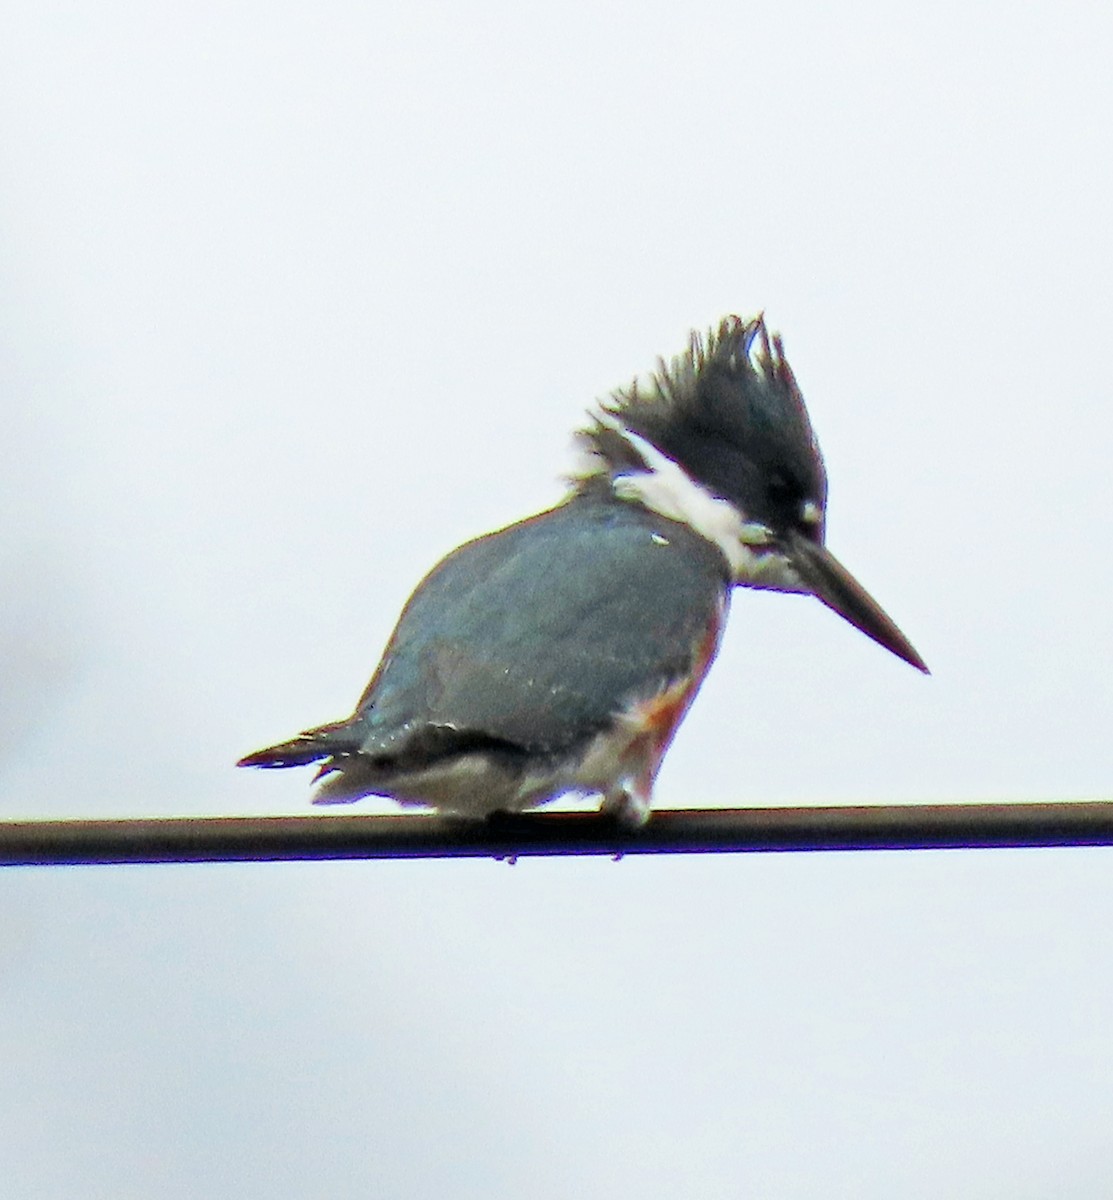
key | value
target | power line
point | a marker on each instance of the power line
(670, 831)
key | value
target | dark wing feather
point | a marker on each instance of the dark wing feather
(532, 638)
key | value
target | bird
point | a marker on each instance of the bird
(560, 654)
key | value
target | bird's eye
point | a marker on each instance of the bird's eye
(781, 489)
(810, 513)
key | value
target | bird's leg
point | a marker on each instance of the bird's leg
(628, 803)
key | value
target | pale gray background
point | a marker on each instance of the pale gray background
(295, 298)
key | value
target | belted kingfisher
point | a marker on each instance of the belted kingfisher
(561, 653)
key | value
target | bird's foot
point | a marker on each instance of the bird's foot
(628, 806)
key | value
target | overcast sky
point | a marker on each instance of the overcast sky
(297, 297)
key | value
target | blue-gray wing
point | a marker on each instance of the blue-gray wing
(534, 637)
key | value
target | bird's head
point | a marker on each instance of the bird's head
(720, 439)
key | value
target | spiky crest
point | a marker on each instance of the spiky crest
(729, 413)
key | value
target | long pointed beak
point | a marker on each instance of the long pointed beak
(831, 582)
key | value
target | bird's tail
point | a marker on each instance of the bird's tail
(339, 737)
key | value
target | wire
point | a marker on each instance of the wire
(669, 831)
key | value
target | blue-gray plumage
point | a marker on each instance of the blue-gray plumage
(565, 579)
(560, 654)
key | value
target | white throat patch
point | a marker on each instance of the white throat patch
(666, 488)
